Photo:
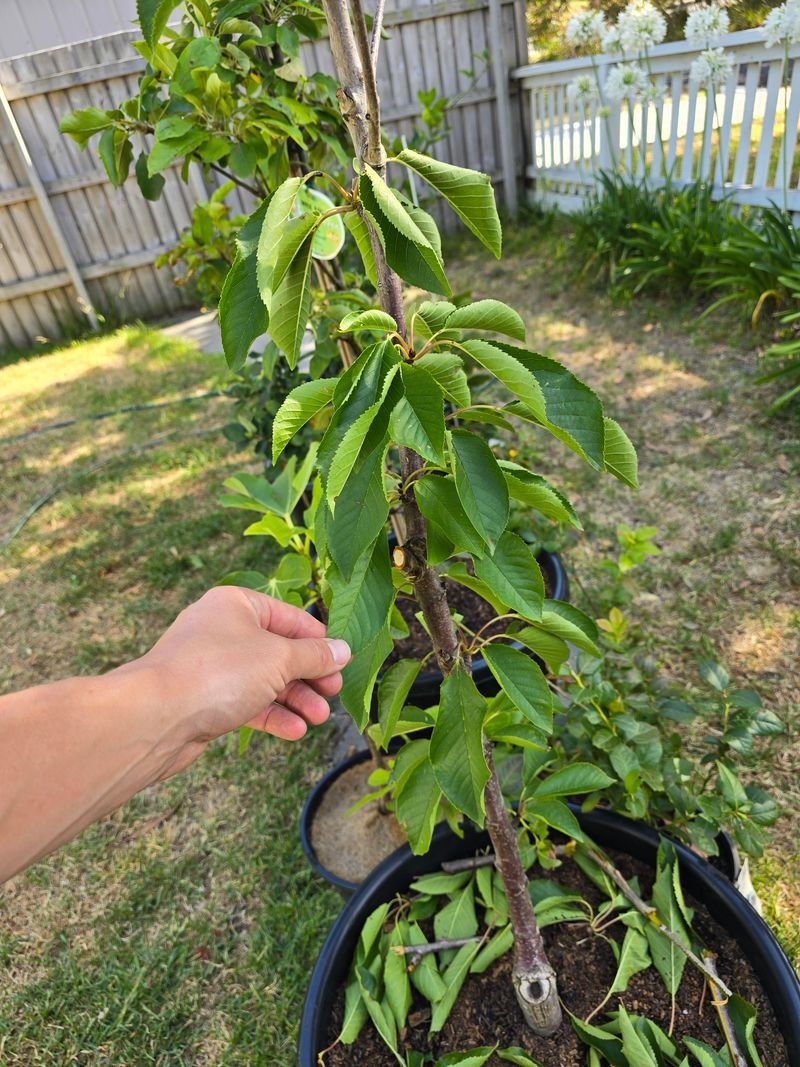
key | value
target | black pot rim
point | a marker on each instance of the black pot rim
(735, 914)
(313, 801)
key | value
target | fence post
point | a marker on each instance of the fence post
(500, 70)
(49, 215)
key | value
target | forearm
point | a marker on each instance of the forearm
(72, 751)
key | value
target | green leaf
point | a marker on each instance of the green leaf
(360, 605)
(554, 813)
(468, 193)
(83, 125)
(273, 526)
(355, 1011)
(488, 315)
(668, 959)
(433, 315)
(704, 1054)
(425, 977)
(551, 649)
(522, 680)
(116, 154)
(152, 16)
(536, 492)
(381, 1016)
(395, 979)
(302, 404)
(480, 485)
(364, 433)
(418, 419)
(358, 677)
(520, 734)
(201, 53)
(517, 1055)
(361, 512)
(634, 957)
(150, 188)
(417, 800)
(511, 372)
(291, 304)
(456, 748)
(448, 370)
(439, 503)
(714, 674)
(393, 689)
(441, 884)
(574, 413)
(513, 574)
(619, 454)
(743, 1016)
(372, 928)
(371, 319)
(569, 623)
(476, 1057)
(595, 1038)
(407, 249)
(276, 215)
(453, 977)
(360, 232)
(498, 944)
(636, 1048)
(295, 232)
(242, 315)
(575, 778)
(457, 919)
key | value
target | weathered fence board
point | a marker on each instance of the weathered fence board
(747, 113)
(114, 235)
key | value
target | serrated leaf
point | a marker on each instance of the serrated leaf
(152, 16)
(457, 970)
(668, 959)
(456, 748)
(743, 1016)
(619, 454)
(291, 304)
(417, 800)
(293, 236)
(355, 1012)
(396, 981)
(408, 251)
(242, 315)
(433, 315)
(448, 370)
(508, 370)
(634, 957)
(536, 492)
(555, 813)
(276, 215)
(361, 512)
(360, 232)
(551, 649)
(418, 418)
(360, 605)
(393, 689)
(371, 319)
(513, 574)
(607, 1044)
(439, 503)
(370, 426)
(468, 192)
(490, 315)
(302, 404)
(480, 485)
(515, 1054)
(457, 919)
(381, 1015)
(523, 735)
(475, 1057)
(441, 884)
(569, 623)
(370, 931)
(425, 976)
(498, 944)
(522, 680)
(635, 1047)
(704, 1054)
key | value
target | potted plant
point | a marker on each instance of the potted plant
(453, 495)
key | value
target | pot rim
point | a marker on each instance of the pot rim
(733, 912)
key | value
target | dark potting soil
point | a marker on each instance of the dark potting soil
(475, 611)
(486, 1011)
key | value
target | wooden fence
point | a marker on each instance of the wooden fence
(743, 137)
(71, 244)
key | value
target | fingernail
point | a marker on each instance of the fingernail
(340, 650)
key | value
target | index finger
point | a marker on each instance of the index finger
(283, 619)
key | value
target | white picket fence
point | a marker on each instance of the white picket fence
(746, 133)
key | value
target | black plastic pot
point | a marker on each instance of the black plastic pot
(313, 801)
(726, 904)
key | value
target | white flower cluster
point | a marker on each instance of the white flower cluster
(626, 81)
(712, 67)
(782, 24)
(582, 89)
(641, 26)
(586, 29)
(612, 40)
(706, 24)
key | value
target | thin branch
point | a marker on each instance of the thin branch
(377, 27)
(418, 951)
(725, 1021)
(376, 157)
(242, 184)
(468, 864)
(652, 915)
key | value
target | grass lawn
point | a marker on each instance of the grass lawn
(181, 930)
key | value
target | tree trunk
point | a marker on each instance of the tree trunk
(533, 978)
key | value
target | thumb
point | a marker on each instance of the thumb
(317, 657)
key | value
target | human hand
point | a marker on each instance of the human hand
(236, 657)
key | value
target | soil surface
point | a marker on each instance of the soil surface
(475, 611)
(352, 845)
(486, 1012)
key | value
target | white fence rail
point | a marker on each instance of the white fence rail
(743, 137)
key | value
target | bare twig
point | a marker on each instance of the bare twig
(416, 952)
(468, 864)
(377, 27)
(725, 1021)
(652, 916)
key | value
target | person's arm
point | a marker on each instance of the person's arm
(72, 751)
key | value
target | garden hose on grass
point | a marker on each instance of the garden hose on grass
(108, 414)
(155, 442)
